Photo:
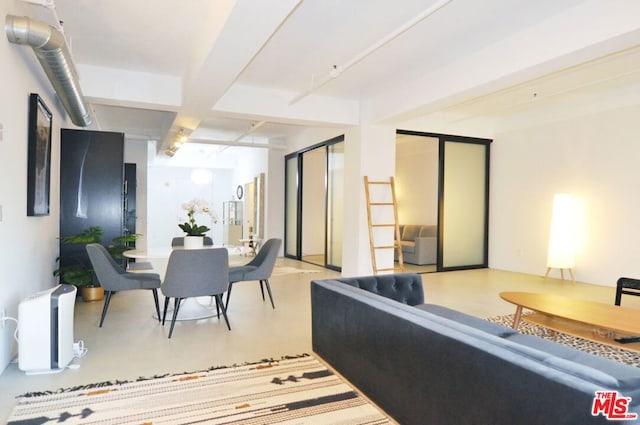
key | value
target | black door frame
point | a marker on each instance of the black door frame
(442, 138)
(298, 156)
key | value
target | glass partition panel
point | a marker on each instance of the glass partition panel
(313, 179)
(335, 204)
(417, 190)
(291, 209)
(464, 205)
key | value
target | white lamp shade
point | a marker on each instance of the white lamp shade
(201, 176)
(563, 234)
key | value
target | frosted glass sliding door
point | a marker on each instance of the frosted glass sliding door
(291, 207)
(335, 204)
(464, 205)
(314, 210)
(314, 169)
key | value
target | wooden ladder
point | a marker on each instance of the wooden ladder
(384, 204)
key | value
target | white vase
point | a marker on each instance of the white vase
(193, 242)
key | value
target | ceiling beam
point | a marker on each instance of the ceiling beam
(383, 41)
(232, 143)
(216, 67)
(521, 57)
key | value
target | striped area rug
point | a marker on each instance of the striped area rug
(293, 390)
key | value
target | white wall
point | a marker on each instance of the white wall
(28, 245)
(312, 136)
(135, 152)
(168, 189)
(249, 166)
(594, 157)
(170, 186)
(274, 197)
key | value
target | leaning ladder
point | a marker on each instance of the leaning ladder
(372, 225)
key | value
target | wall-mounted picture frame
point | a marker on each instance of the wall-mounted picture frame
(39, 157)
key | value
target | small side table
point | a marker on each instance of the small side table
(628, 286)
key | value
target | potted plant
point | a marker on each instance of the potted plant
(75, 268)
(194, 233)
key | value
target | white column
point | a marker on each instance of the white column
(369, 151)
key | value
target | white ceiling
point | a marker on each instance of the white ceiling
(246, 68)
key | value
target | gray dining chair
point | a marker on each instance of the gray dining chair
(114, 278)
(260, 269)
(196, 273)
(179, 241)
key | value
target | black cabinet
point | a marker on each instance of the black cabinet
(91, 184)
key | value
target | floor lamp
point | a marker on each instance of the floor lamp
(562, 237)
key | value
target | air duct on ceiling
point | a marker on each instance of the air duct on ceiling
(53, 54)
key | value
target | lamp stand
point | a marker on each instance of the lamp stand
(561, 273)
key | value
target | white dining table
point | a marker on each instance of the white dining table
(193, 308)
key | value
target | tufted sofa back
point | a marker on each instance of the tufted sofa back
(403, 287)
(409, 232)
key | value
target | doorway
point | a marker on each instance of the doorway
(417, 164)
(314, 165)
(443, 180)
(314, 180)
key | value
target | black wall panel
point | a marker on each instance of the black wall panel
(91, 184)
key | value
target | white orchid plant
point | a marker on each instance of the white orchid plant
(193, 207)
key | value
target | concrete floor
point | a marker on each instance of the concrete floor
(132, 344)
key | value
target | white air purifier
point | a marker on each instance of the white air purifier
(45, 330)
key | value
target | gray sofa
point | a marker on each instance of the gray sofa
(427, 364)
(418, 244)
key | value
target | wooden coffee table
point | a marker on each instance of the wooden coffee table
(590, 320)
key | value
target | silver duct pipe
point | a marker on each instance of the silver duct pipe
(53, 54)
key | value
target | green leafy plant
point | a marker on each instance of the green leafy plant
(75, 268)
(91, 235)
(194, 207)
(121, 244)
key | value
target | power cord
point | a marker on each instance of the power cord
(15, 333)
(79, 350)
(13, 319)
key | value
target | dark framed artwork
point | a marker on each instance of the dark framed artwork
(39, 157)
